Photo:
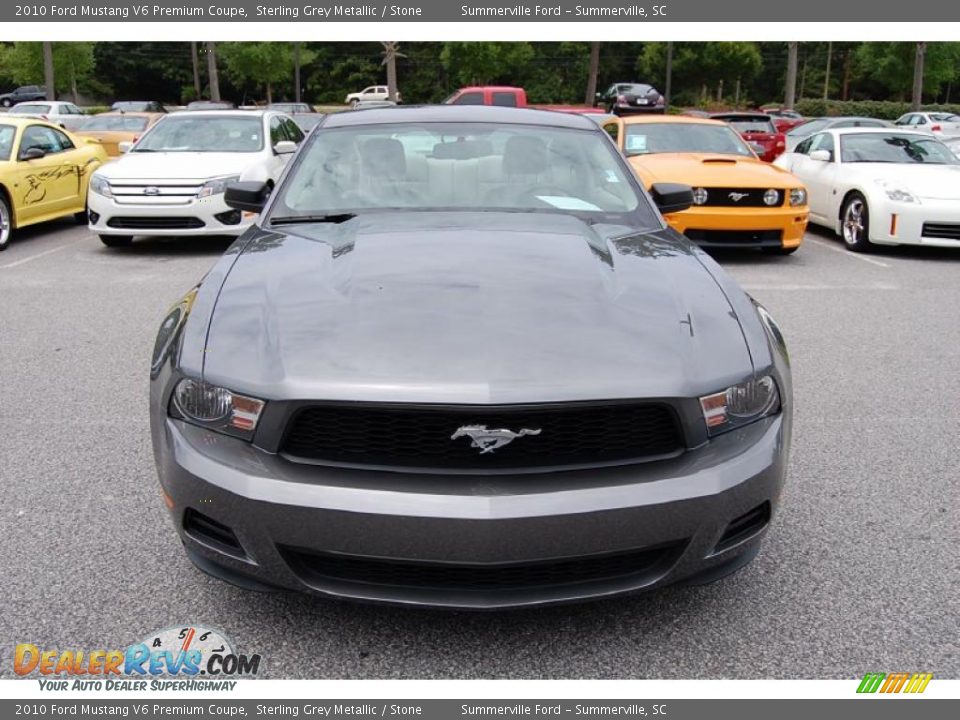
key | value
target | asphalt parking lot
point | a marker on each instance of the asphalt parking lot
(859, 573)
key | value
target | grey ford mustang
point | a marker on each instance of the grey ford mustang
(462, 361)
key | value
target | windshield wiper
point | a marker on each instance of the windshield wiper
(296, 219)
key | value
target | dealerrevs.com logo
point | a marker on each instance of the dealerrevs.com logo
(187, 657)
(902, 682)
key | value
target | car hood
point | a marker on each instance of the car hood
(930, 182)
(176, 165)
(472, 308)
(710, 170)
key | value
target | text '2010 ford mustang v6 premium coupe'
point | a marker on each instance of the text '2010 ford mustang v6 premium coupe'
(461, 361)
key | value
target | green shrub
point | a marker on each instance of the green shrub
(882, 109)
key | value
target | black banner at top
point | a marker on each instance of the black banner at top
(578, 11)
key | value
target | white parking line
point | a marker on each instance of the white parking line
(39, 255)
(849, 254)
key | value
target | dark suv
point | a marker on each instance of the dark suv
(23, 94)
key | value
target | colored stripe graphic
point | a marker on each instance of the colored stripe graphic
(894, 682)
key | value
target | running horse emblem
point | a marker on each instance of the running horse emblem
(487, 440)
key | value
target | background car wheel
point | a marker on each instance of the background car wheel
(781, 250)
(116, 240)
(6, 223)
(855, 223)
(353, 103)
(6, 103)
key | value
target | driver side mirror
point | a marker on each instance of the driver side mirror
(249, 195)
(671, 197)
(821, 155)
(285, 147)
(33, 153)
(124, 146)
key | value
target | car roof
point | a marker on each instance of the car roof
(459, 113)
(22, 120)
(495, 88)
(876, 130)
(129, 113)
(678, 119)
(745, 115)
(224, 112)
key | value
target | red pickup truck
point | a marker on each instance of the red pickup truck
(506, 96)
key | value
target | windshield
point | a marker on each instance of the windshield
(204, 133)
(31, 109)
(894, 148)
(132, 105)
(7, 133)
(121, 123)
(808, 128)
(455, 166)
(649, 138)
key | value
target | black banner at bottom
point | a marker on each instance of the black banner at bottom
(868, 708)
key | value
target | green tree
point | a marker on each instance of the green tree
(485, 63)
(260, 63)
(73, 63)
(888, 67)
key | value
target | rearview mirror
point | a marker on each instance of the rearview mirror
(33, 153)
(124, 146)
(285, 147)
(821, 155)
(249, 195)
(671, 197)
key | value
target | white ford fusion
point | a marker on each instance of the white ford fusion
(171, 182)
(880, 186)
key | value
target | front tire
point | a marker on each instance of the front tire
(115, 241)
(855, 223)
(6, 223)
(6, 102)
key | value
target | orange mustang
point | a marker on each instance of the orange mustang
(739, 201)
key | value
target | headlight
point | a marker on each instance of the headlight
(216, 408)
(100, 186)
(798, 196)
(216, 186)
(740, 404)
(897, 194)
(700, 196)
(771, 197)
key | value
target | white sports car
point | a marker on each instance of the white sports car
(171, 182)
(880, 186)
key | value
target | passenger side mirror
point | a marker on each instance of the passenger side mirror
(821, 155)
(249, 195)
(33, 153)
(285, 147)
(671, 197)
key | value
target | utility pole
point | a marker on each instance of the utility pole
(48, 71)
(212, 71)
(918, 76)
(826, 77)
(790, 95)
(668, 85)
(391, 51)
(296, 71)
(196, 70)
(591, 94)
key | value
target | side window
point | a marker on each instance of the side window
(65, 142)
(505, 99)
(823, 141)
(905, 120)
(44, 138)
(920, 120)
(276, 131)
(293, 130)
(613, 130)
(470, 98)
(804, 147)
(369, 91)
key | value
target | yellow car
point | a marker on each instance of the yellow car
(44, 173)
(739, 200)
(112, 128)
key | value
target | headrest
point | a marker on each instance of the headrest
(384, 157)
(524, 155)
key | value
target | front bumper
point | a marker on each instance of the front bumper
(422, 539)
(194, 216)
(742, 227)
(923, 223)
